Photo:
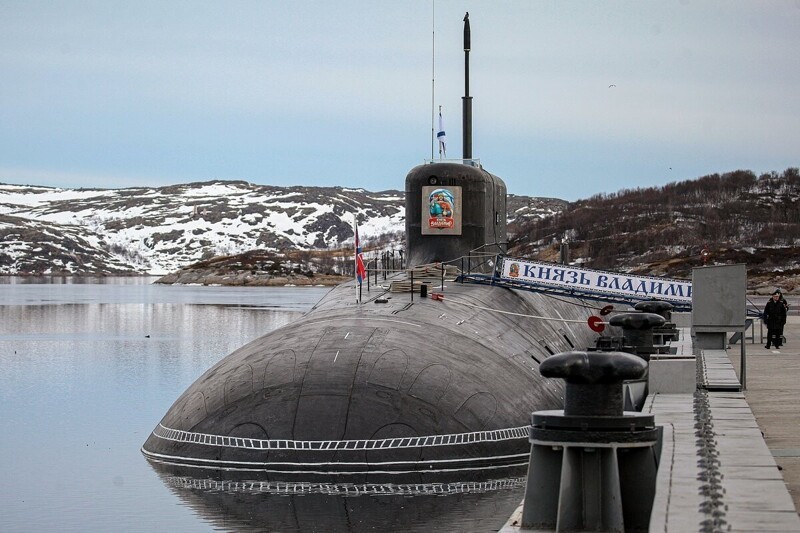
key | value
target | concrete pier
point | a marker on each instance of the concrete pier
(730, 458)
(773, 394)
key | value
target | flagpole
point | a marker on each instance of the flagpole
(355, 255)
(433, 74)
(359, 270)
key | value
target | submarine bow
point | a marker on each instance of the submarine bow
(391, 385)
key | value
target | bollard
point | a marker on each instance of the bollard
(637, 329)
(592, 465)
(656, 306)
(667, 332)
(637, 338)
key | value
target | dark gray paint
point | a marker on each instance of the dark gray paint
(350, 371)
(483, 206)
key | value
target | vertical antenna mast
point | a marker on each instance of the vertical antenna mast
(433, 74)
(467, 99)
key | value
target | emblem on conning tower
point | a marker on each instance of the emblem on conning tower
(444, 211)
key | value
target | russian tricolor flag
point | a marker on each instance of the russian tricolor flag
(361, 272)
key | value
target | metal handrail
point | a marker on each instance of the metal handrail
(472, 162)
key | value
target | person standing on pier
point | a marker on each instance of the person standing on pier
(775, 318)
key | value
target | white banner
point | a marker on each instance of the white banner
(597, 281)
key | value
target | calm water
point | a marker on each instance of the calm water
(87, 370)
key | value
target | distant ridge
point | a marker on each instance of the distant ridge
(157, 230)
(737, 217)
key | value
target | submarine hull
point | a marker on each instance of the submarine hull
(476, 224)
(393, 386)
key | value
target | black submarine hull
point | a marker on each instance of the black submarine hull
(379, 389)
(394, 386)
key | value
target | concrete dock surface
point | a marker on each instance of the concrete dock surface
(773, 394)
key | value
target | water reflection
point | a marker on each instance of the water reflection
(77, 280)
(140, 290)
(254, 505)
(87, 369)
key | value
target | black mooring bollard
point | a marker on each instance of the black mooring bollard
(578, 479)
(637, 329)
(656, 306)
(667, 332)
(594, 380)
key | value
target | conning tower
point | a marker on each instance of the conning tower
(391, 388)
(455, 208)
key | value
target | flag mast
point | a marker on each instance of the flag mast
(358, 264)
(433, 74)
(355, 257)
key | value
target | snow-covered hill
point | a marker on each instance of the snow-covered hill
(157, 230)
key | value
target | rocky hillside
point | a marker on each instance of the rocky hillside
(736, 217)
(265, 268)
(244, 233)
(158, 230)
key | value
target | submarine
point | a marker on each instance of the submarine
(394, 385)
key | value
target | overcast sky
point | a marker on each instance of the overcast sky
(569, 98)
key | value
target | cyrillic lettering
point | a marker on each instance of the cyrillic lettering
(656, 287)
(642, 287)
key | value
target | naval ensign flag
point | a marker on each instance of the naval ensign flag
(441, 137)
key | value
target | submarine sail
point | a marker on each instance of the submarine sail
(395, 386)
(454, 210)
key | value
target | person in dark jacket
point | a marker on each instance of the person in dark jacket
(775, 318)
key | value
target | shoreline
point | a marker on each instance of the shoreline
(249, 279)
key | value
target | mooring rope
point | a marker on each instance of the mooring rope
(524, 315)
